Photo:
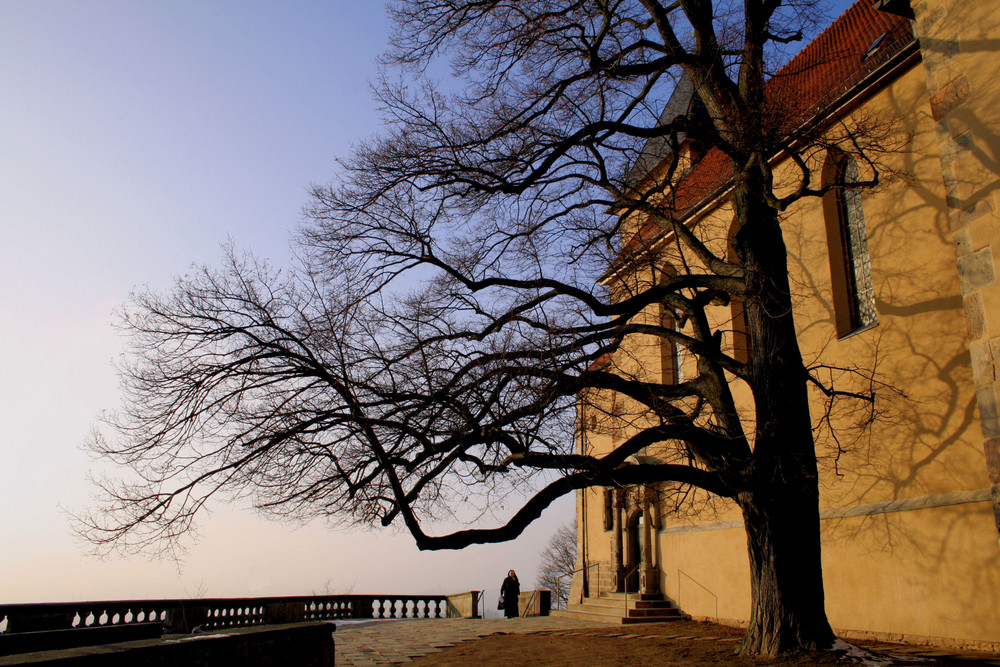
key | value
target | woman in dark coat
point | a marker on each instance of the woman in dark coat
(509, 591)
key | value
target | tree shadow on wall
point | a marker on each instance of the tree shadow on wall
(921, 436)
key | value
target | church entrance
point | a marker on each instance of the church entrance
(633, 549)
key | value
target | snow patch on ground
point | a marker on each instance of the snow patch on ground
(860, 656)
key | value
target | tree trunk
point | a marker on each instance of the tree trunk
(787, 601)
(780, 498)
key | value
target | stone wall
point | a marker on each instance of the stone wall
(464, 605)
(964, 98)
(534, 603)
(303, 645)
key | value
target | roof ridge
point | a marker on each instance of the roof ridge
(838, 59)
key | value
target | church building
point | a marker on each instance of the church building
(898, 281)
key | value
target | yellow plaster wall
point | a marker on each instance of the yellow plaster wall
(925, 439)
(707, 573)
(925, 574)
(598, 544)
(918, 574)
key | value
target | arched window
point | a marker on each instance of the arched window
(741, 340)
(850, 264)
(671, 354)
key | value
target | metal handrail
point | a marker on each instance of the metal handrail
(585, 589)
(581, 569)
(527, 605)
(568, 586)
(700, 585)
(628, 573)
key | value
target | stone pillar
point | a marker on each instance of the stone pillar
(617, 545)
(463, 605)
(964, 98)
(649, 580)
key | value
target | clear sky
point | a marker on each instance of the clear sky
(135, 139)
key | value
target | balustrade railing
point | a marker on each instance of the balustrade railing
(190, 615)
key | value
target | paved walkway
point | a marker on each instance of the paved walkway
(395, 642)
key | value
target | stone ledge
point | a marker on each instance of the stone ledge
(305, 644)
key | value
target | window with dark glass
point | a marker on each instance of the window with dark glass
(854, 292)
(737, 308)
(671, 354)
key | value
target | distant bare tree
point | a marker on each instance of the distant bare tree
(558, 561)
(329, 588)
(200, 591)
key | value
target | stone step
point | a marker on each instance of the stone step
(623, 610)
(630, 596)
(634, 610)
(649, 613)
(632, 620)
(587, 615)
(646, 604)
(621, 603)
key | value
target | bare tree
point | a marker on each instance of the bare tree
(558, 561)
(462, 285)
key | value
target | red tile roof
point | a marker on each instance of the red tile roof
(829, 66)
(837, 60)
(600, 362)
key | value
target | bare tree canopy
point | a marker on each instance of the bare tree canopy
(558, 561)
(464, 282)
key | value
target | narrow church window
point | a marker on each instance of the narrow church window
(741, 341)
(617, 418)
(671, 354)
(678, 364)
(609, 509)
(857, 298)
(741, 347)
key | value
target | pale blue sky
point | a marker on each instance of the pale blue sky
(135, 138)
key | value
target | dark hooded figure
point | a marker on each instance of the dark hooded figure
(509, 591)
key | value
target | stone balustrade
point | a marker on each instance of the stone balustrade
(189, 615)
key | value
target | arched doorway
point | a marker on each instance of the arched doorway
(633, 551)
